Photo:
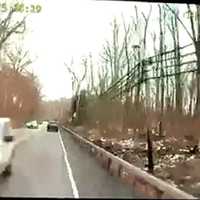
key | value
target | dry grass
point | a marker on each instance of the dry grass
(173, 161)
(107, 116)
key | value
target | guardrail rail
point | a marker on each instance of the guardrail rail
(140, 180)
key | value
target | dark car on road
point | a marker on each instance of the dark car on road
(52, 126)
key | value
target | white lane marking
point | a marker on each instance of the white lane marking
(73, 184)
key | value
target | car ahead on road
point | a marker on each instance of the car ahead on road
(52, 126)
(6, 147)
(32, 125)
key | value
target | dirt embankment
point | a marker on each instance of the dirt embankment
(176, 160)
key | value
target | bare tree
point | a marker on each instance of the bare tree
(191, 89)
(156, 73)
(102, 78)
(7, 28)
(140, 25)
(195, 37)
(113, 52)
(161, 56)
(91, 73)
(146, 20)
(18, 59)
(76, 80)
(137, 52)
(127, 101)
(76, 85)
(174, 29)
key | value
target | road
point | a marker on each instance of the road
(43, 168)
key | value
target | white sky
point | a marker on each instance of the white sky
(67, 28)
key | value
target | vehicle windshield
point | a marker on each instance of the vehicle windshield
(102, 99)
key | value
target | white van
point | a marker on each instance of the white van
(6, 146)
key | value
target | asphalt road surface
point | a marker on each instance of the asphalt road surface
(91, 179)
(43, 167)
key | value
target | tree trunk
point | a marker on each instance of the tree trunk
(197, 47)
(149, 153)
(161, 59)
(177, 69)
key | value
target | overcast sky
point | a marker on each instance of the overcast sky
(67, 28)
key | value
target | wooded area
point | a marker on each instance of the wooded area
(19, 88)
(143, 105)
(167, 81)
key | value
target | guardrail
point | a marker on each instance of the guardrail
(140, 180)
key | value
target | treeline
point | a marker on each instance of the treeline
(19, 96)
(19, 88)
(54, 110)
(130, 44)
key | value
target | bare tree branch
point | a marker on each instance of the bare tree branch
(19, 60)
(146, 24)
(189, 34)
(6, 30)
(191, 22)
